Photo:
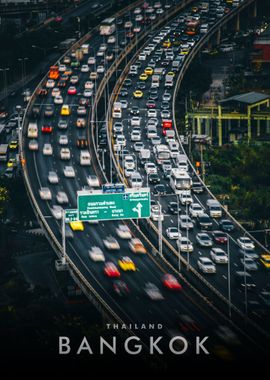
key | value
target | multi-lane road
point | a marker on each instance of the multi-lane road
(137, 307)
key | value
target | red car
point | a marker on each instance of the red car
(58, 19)
(170, 282)
(151, 104)
(83, 102)
(111, 270)
(219, 237)
(72, 90)
(46, 128)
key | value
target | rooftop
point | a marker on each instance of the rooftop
(247, 98)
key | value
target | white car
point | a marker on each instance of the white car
(96, 254)
(45, 193)
(47, 149)
(69, 172)
(63, 140)
(138, 146)
(206, 265)
(50, 83)
(185, 197)
(53, 177)
(219, 256)
(61, 197)
(152, 113)
(87, 93)
(103, 47)
(100, 53)
(139, 18)
(184, 244)
(93, 180)
(153, 292)
(150, 168)
(185, 222)
(129, 162)
(89, 85)
(156, 214)
(136, 135)
(111, 40)
(65, 154)
(123, 231)
(91, 61)
(55, 92)
(128, 172)
(195, 209)
(245, 242)
(120, 140)
(173, 233)
(74, 79)
(111, 243)
(33, 145)
(58, 99)
(100, 69)
(57, 212)
(135, 121)
(204, 240)
(85, 69)
(62, 68)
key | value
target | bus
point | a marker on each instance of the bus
(180, 180)
(162, 152)
(54, 72)
(107, 27)
(192, 28)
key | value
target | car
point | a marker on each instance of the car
(96, 254)
(63, 140)
(153, 292)
(134, 110)
(49, 111)
(220, 237)
(204, 240)
(141, 85)
(243, 279)
(87, 93)
(47, 149)
(91, 61)
(33, 145)
(123, 231)
(81, 143)
(111, 40)
(150, 168)
(81, 111)
(143, 77)
(65, 110)
(121, 288)
(173, 233)
(74, 79)
(137, 94)
(165, 114)
(173, 208)
(265, 298)
(166, 96)
(195, 209)
(138, 146)
(50, 83)
(135, 121)
(170, 282)
(148, 71)
(197, 188)
(89, 85)
(136, 246)
(46, 128)
(160, 189)
(265, 261)
(85, 69)
(126, 264)
(245, 242)
(219, 256)
(58, 100)
(111, 243)
(76, 225)
(184, 244)
(153, 178)
(110, 269)
(93, 75)
(156, 140)
(84, 102)
(42, 92)
(12, 162)
(206, 265)
(62, 124)
(65, 154)
(57, 212)
(204, 222)
(249, 264)
(53, 177)
(45, 193)
(61, 197)
(72, 90)
(13, 145)
(69, 172)
(56, 92)
(249, 252)
(151, 104)
(136, 135)
(185, 197)
(226, 225)
(92, 180)
(156, 213)
(185, 222)
(100, 69)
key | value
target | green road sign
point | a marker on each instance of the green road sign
(71, 215)
(132, 204)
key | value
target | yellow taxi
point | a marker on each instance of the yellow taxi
(13, 144)
(143, 76)
(76, 226)
(148, 71)
(171, 73)
(167, 44)
(126, 264)
(12, 162)
(137, 246)
(65, 110)
(138, 94)
(265, 260)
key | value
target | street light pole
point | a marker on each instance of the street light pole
(178, 228)
(160, 228)
(63, 237)
(229, 276)
(187, 232)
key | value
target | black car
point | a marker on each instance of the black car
(153, 178)
(141, 85)
(102, 143)
(153, 95)
(134, 110)
(167, 173)
(123, 92)
(226, 225)
(120, 288)
(173, 208)
(204, 222)
(160, 189)
(197, 188)
(128, 82)
(165, 105)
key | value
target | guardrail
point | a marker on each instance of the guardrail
(181, 74)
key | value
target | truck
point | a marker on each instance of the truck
(54, 72)
(168, 81)
(3, 152)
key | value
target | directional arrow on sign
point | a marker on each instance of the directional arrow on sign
(138, 209)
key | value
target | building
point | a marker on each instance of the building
(261, 50)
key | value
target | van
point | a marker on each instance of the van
(174, 148)
(182, 162)
(136, 180)
(215, 209)
(32, 131)
(85, 158)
